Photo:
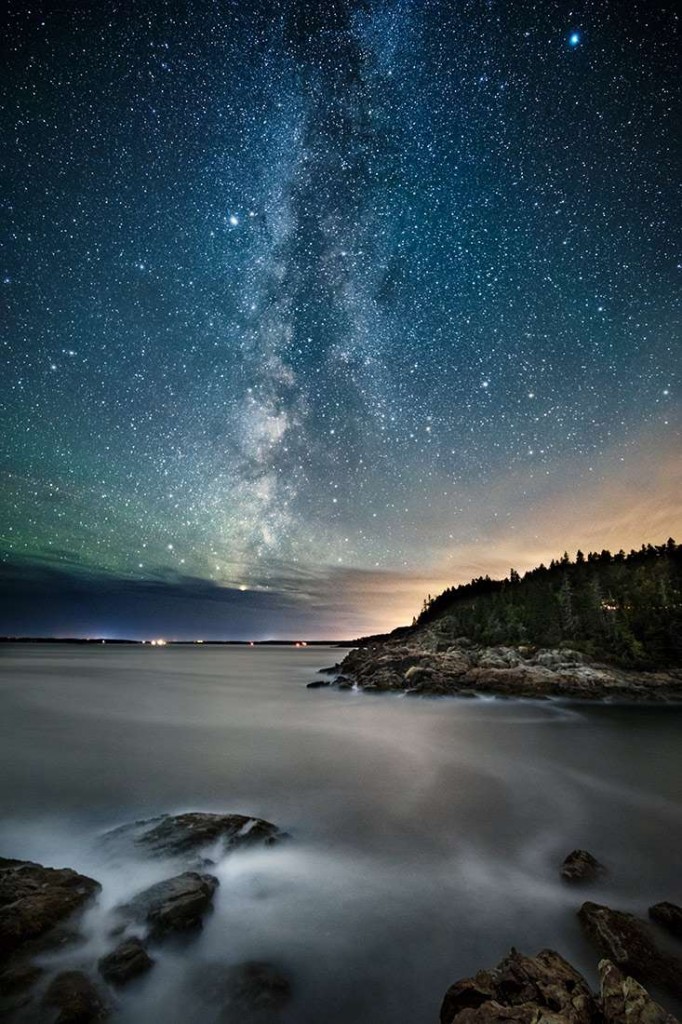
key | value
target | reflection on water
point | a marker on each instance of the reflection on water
(427, 833)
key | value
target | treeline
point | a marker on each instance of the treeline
(622, 608)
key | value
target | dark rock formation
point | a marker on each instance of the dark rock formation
(317, 684)
(426, 664)
(175, 905)
(581, 866)
(669, 916)
(180, 834)
(129, 959)
(527, 989)
(625, 1001)
(630, 944)
(76, 999)
(35, 900)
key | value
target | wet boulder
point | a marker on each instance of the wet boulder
(521, 988)
(35, 901)
(625, 1001)
(669, 916)
(182, 834)
(317, 684)
(631, 945)
(175, 905)
(581, 866)
(76, 999)
(126, 962)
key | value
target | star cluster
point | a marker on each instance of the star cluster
(299, 291)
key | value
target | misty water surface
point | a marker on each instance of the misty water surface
(427, 834)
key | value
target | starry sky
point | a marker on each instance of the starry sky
(311, 309)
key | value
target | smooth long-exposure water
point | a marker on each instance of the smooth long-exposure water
(427, 834)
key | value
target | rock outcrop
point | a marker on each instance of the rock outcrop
(527, 989)
(581, 866)
(625, 1001)
(631, 945)
(428, 666)
(36, 901)
(126, 962)
(183, 834)
(546, 989)
(174, 905)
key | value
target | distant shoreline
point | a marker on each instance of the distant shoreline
(174, 643)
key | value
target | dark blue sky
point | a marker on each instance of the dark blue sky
(313, 308)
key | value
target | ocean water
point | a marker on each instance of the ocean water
(427, 834)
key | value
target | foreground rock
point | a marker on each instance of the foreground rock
(625, 1001)
(669, 916)
(179, 834)
(546, 989)
(581, 866)
(124, 963)
(524, 989)
(35, 901)
(428, 665)
(630, 944)
(175, 905)
(76, 999)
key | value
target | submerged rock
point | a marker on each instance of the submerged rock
(317, 684)
(630, 944)
(35, 900)
(177, 834)
(253, 992)
(527, 989)
(175, 905)
(625, 1001)
(257, 991)
(581, 866)
(127, 961)
(76, 999)
(669, 916)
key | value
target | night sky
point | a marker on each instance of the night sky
(310, 309)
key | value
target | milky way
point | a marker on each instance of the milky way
(312, 308)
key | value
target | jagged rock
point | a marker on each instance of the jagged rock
(630, 944)
(34, 900)
(129, 959)
(177, 904)
(625, 1001)
(526, 989)
(669, 916)
(76, 999)
(581, 866)
(178, 834)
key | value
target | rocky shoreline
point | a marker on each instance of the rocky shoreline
(42, 909)
(428, 665)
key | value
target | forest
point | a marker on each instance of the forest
(622, 608)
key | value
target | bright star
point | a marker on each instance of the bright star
(234, 220)
(574, 39)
